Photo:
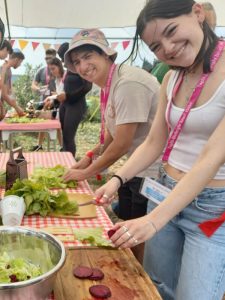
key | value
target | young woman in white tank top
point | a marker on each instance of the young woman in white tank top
(185, 231)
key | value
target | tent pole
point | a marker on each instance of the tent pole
(7, 18)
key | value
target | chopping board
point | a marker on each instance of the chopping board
(85, 212)
(124, 276)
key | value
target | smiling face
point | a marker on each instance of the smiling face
(91, 66)
(176, 41)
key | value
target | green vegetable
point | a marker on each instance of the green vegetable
(2, 178)
(39, 199)
(23, 120)
(16, 269)
(52, 177)
(92, 235)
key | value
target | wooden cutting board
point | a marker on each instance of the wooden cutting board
(123, 275)
(85, 212)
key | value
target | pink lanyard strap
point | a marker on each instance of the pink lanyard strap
(193, 99)
(103, 103)
(47, 77)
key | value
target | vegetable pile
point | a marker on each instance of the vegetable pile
(17, 269)
(94, 236)
(23, 120)
(40, 200)
(52, 177)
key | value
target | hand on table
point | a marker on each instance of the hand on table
(130, 233)
(20, 111)
(75, 174)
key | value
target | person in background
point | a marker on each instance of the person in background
(5, 49)
(72, 104)
(210, 14)
(184, 229)
(128, 103)
(40, 85)
(14, 61)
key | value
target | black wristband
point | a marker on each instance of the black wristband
(119, 178)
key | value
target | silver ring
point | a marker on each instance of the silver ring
(135, 241)
(125, 229)
(105, 196)
(128, 234)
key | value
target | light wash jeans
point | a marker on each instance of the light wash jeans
(183, 263)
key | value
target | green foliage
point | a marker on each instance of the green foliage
(22, 86)
(93, 112)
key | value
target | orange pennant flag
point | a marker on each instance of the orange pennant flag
(125, 44)
(114, 45)
(23, 44)
(34, 45)
(12, 42)
(46, 46)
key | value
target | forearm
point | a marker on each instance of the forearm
(185, 191)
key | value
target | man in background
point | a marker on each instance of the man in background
(5, 49)
(210, 14)
(14, 61)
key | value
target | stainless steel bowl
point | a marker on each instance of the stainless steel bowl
(41, 249)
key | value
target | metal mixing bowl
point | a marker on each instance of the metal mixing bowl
(39, 248)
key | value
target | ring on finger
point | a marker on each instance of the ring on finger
(105, 196)
(125, 229)
(128, 234)
(135, 241)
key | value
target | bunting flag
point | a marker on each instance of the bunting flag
(12, 42)
(46, 46)
(125, 44)
(57, 46)
(114, 45)
(23, 44)
(34, 45)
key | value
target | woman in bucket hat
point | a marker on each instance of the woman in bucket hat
(128, 104)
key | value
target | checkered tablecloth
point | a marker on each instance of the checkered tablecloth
(45, 124)
(50, 159)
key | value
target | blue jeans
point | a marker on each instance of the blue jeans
(183, 263)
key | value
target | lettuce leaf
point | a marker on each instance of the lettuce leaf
(94, 236)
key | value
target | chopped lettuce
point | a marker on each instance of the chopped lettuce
(16, 269)
(94, 236)
(40, 200)
(23, 120)
(52, 177)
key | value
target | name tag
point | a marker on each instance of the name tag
(154, 191)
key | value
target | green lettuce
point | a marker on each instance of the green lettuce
(94, 236)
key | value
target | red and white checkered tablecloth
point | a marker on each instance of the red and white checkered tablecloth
(45, 124)
(50, 159)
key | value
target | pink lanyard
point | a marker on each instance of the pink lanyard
(47, 77)
(103, 103)
(193, 99)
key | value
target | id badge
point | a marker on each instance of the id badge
(154, 191)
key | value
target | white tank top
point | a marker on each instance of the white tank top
(198, 127)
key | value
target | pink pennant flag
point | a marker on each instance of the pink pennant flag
(12, 42)
(114, 45)
(23, 44)
(125, 44)
(56, 46)
(34, 45)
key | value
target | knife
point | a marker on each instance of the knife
(94, 201)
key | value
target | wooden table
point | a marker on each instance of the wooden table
(48, 126)
(123, 274)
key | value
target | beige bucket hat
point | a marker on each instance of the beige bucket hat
(88, 37)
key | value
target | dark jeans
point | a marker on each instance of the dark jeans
(131, 203)
(70, 116)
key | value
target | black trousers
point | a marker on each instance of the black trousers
(70, 116)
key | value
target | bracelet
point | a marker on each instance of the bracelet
(90, 154)
(153, 225)
(119, 178)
